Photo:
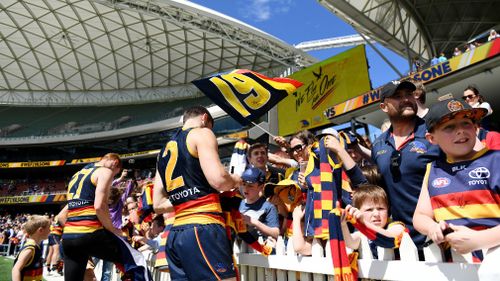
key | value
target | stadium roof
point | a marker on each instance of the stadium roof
(80, 52)
(427, 27)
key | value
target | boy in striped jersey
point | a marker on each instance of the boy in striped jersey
(460, 198)
(28, 264)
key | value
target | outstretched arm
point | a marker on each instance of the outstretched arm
(300, 244)
(104, 177)
(203, 142)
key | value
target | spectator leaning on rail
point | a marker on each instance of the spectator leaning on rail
(402, 152)
(260, 216)
(460, 198)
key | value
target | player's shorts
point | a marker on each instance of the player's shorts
(199, 252)
(54, 239)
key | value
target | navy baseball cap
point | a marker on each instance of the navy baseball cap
(447, 110)
(253, 175)
(389, 89)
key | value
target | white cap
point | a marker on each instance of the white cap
(328, 131)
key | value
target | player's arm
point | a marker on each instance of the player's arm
(103, 178)
(63, 215)
(161, 204)
(205, 144)
(24, 257)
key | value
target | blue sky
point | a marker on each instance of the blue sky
(295, 21)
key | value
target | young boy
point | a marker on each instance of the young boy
(371, 207)
(460, 197)
(260, 215)
(28, 264)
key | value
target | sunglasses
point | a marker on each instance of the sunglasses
(297, 148)
(468, 97)
(395, 162)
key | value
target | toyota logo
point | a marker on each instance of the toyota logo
(480, 173)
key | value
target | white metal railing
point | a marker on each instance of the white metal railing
(289, 266)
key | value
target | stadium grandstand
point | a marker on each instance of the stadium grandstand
(82, 78)
(79, 78)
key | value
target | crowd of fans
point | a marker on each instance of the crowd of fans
(379, 181)
(469, 46)
(31, 187)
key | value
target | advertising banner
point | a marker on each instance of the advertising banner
(481, 53)
(326, 84)
(34, 164)
(30, 199)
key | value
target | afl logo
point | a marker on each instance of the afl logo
(480, 173)
(441, 182)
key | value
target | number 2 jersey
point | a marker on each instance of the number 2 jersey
(466, 192)
(194, 200)
(82, 217)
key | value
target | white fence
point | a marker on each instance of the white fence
(286, 265)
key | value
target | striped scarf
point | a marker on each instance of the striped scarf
(324, 178)
(161, 256)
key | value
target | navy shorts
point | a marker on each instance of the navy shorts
(199, 252)
(54, 239)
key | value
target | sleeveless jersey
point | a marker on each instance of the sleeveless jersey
(194, 200)
(56, 228)
(467, 192)
(33, 270)
(82, 218)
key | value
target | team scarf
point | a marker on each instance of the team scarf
(238, 162)
(246, 95)
(230, 203)
(161, 256)
(145, 209)
(133, 262)
(324, 178)
(376, 237)
(324, 173)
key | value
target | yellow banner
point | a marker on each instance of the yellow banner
(326, 84)
(35, 164)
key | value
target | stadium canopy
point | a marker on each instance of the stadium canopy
(107, 52)
(419, 28)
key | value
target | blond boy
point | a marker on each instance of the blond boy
(28, 264)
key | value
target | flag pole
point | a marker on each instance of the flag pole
(263, 129)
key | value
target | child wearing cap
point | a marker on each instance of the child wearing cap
(260, 215)
(28, 264)
(460, 198)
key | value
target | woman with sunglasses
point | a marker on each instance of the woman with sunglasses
(475, 100)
